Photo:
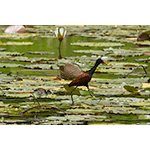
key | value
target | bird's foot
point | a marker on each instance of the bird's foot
(94, 96)
(72, 104)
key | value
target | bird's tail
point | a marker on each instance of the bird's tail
(69, 85)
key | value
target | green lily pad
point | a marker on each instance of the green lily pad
(16, 43)
(41, 53)
(95, 52)
(17, 35)
(144, 117)
(3, 54)
(97, 44)
(131, 89)
(146, 60)
(41, 66)
(5, 65)
(143, 43)
(69, 89)
(3, 49)
(33, 59)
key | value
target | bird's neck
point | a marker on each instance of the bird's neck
(92, 70)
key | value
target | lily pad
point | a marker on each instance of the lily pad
(113, 52)
(41, 53)
(97, 44)
(123, 52)
(33, 59)
(16, 43)
(143, 43)
(69, 89)
(18, 35)
(131, 89)
(5, 65)
(3, 49)
(40, 66)
(95, 52)
(146, 60)
(3, 54)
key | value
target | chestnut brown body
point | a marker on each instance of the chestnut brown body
(84, 79)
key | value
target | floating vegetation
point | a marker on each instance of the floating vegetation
(97, 44)
(16, 43)
(117, 100)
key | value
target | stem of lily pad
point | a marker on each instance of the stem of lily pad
(60, 57)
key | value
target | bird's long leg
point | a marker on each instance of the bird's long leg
(134, 70)
(38, 102)
(71, 95)
(89, 90)
(35, 98)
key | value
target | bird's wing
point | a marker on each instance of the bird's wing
(81, 80)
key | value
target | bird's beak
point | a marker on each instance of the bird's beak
(105, 63)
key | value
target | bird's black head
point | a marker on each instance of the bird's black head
(99, 61)
(91, 71)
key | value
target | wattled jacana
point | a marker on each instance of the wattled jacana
(85, 78)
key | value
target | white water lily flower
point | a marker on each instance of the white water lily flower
(56, 32)
(60, 33)
(105, 58)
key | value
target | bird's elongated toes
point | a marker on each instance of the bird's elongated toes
(72, 104)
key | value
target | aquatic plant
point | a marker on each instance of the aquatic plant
(60, 33)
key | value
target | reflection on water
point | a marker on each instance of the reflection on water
(47, 44)
(66, 49)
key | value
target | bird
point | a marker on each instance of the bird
(84, 79)
(39, 92)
